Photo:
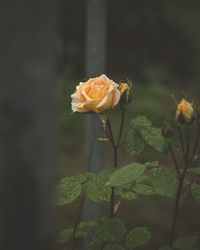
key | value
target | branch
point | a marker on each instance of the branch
(196, 142)
(121, 127)
(181, 140)
(175, 161)
(76, 225)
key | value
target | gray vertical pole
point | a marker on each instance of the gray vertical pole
(95, 66)
(27, 125)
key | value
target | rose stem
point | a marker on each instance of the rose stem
(181, 140)
(76, 225)
(181, 180)
(121, 127)
(196, 142)
(115, 150)
(111, 138)
(175, 161)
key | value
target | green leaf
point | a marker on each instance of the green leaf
(151, 164)
(137, 237)
(195, 189)
(140, 121)
(127, 174)
(87, 225)
(105, 174)
(94, 244)
(84, 227)
(89, 175)
(77, 177)
(165, 248)
(110, 230)
(128, 196)
(113, 247)
(64, 236)
(143, 189)
(152, 136)
(134, 143)
(95, 188)
(186, 182)
(142, 178)
(186, 243)
(67, 190)
(195, 171)
(163, 181)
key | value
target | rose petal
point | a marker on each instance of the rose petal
(116, 98)
(92, 104)
(106, 103)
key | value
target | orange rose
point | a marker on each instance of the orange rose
(184, 111)
(97, 95)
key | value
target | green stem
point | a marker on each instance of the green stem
(196, 142)
(175, 161)
(112, 198)
(121, 127)
(111, 137)
(181, 180)
(115, 151)
(76, 225)
(178, 195)
(181, 140)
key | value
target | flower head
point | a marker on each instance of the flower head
(96, 95)
(185, 111)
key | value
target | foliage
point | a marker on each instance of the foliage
(114, 185)
(110, 230)
(152, 136)
(195, 171)
(126, 175)
(95, 188)
(163, 182)
(64, 236)
(68, 190)
(186, 243)
(113, 247)
(195, 189)
(143, 189)
(134, 143)
(137, 237)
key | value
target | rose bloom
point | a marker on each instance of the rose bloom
(184, 110)
(97, 95)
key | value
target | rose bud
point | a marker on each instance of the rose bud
(126, 93)
(96, 95)
(185, 111)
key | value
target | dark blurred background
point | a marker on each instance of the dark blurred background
(146, 40)
(156, 44)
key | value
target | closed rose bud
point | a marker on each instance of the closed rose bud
(96, 95)
(126, 92)
(185, 111)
